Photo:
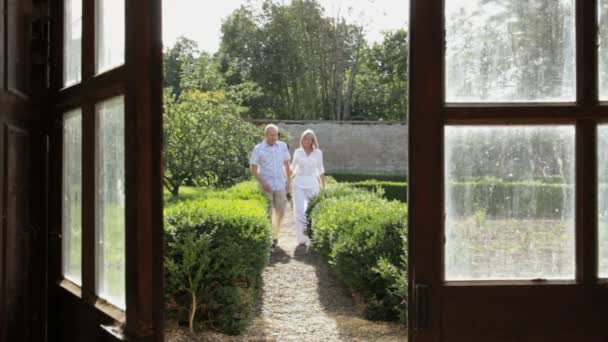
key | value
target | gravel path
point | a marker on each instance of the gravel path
(302, 301)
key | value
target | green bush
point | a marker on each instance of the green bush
(215, 251)
(396, 276)
(338, 190)
(359, 236)
(360, 177)
(392, 190)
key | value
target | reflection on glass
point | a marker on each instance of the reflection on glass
(603, 52)
(509, 197)
(110, 201)
(72, 41)
(510, 51)
(72, 197)
(109, 34)
(602, 175)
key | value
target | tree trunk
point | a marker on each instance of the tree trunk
(192, 312)
(171, 186)
(351, 84)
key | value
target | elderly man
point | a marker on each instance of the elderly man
(269, 164)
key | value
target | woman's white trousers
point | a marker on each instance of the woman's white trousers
(301, 197)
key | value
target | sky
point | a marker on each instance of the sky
(201, 20)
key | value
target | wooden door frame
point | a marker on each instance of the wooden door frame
(140, 81)
(428, 115)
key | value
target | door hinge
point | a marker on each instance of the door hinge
(423, 318)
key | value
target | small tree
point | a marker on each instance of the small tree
(206, 141)
(186, 266)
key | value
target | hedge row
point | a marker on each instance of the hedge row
(360, 177)
(503, 200)
(392, 190)
(496, 198)
(215, 252)
(363, 237)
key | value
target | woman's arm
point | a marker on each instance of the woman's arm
(321, 170)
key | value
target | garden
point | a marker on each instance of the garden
(508, 192)
(217, 244)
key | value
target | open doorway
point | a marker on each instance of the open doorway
(332, 74)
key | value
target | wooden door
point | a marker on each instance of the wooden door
(105, 277)
(569, 306)
(22, 173)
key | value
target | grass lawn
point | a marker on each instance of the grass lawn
(186, 193)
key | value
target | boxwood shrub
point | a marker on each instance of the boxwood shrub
(362, 238)
(338, 190)
(215, 252)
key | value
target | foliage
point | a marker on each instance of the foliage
(187, 260)
(290, 61)
(215, 252)
(358, 177)
(247, 190)
(391, 190)
(498, 199)
(362, 239)
(523, 154)
(339, 190)
(381, 85)
(515, 55)
(206, 141)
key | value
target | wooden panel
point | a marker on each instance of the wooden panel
(520, 313)
(18, 48)
(425, 134)
(76, 320)
(3, 45)
(17, 242)
(144, 244)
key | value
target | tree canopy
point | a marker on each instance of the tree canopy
(291, 61)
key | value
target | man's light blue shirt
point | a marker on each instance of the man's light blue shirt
(270, 160)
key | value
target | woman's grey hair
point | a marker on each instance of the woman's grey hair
(315, 142)
(269, 126)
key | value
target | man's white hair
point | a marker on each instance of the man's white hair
(269, 126)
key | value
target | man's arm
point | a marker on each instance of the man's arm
(256, 174)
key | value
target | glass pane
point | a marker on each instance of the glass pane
(510, 51)
(109, 34)
(110, 201)
(603, 199)
(72, 197)
(603, 52)
(509, 197)
(72, 41)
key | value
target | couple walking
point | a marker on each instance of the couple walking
(270, 165)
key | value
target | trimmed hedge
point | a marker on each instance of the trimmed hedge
(360, 177)
(338, 190)
(215, 251)
(362, 236)
(392, 190)
(498, 199)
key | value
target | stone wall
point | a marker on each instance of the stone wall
(355, 146)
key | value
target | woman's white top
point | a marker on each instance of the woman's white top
(307, 168)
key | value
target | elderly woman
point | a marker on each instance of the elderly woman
(308, 171)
